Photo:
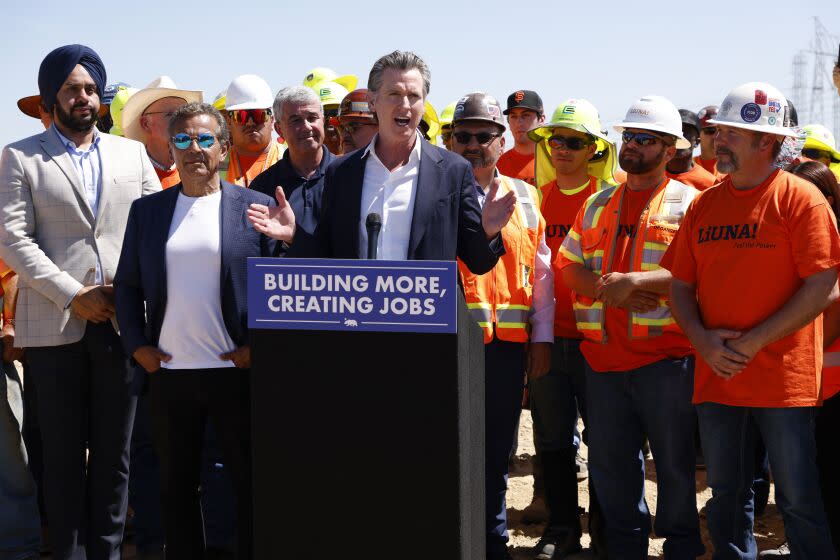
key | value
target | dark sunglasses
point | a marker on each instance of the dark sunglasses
(641, 138)
(482, 138)
(708, 130)
(813, 153)
(184, 141)
(241, 116)
(558, 142)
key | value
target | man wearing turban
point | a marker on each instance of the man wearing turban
(64, 200)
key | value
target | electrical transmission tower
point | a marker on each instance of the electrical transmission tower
(811, 101)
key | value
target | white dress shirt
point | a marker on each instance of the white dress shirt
(392, 196)
(542, 298)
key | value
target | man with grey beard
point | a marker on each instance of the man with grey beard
(517, 292)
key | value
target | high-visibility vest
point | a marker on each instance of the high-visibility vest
(229, 168)
(500, 300)
(596, 241)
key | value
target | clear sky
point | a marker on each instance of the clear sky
(610, 52)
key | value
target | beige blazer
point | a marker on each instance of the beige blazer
(49, 235)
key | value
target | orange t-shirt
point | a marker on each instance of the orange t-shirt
(620, 352)
(697, 177)
(559, 208)
(168, 178)
(747, 252)
(513, 164)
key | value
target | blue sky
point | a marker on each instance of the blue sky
(609, 52)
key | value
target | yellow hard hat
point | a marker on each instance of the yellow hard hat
(580, 115)
(220, 100)
(331, 93)
(447, 114)
(117, 105)
(320, 74)
(430, 117)
(818, 137)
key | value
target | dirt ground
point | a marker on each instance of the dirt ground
(769, 530)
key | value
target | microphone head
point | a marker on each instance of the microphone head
(373, 221)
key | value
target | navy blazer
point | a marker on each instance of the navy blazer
(446, 221)
(140, 282)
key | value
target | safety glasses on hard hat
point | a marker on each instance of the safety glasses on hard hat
(558, 142)
(241, 116)
(482, 138)
(641, 138)
(184, 141)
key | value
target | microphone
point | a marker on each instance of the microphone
(373, 223)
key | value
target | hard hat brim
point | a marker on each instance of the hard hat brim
(682, 143)
(766, 129)
(349, 81)
(543, 131)
(138, 103)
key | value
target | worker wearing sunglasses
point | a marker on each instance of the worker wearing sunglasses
(251, 121)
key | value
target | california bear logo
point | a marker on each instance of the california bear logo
(351, 323)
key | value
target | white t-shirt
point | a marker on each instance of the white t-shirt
(193, 330)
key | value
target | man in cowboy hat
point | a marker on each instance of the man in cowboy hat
(145, 118)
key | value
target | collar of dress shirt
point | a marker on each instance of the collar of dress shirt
(414, 157)
(70, 146)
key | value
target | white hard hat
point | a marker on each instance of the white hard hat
(656, 113)
(755, 106)
(248, 92)
(160, 88)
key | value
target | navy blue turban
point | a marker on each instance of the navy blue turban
(57, 65)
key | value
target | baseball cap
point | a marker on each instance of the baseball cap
(524, 99)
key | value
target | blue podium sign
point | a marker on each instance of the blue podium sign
(352, 295)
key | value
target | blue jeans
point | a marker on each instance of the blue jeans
(653, 401)
(556, 397)
(20, 522)
(728, 445)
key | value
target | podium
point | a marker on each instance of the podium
(368, 436)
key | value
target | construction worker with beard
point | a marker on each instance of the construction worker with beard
(570, 142)
(513, 303)
(639, 364)
(682, 167)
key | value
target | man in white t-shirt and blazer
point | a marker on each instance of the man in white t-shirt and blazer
(181, 292)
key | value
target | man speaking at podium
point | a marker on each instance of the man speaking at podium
(419, 198)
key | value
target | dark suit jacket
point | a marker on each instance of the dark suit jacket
(141, 273)
(446, 222)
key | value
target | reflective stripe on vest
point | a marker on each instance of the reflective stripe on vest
(529, 205)
(666, 209)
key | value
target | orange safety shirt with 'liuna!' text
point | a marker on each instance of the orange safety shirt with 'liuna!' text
(747, 252)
